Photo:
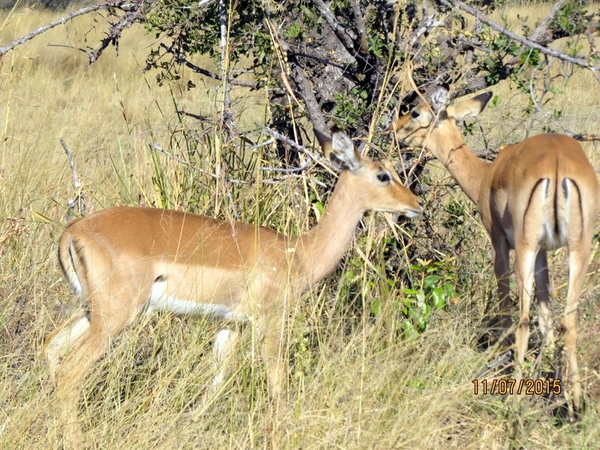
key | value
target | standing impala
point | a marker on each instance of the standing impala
(124, 261)
(540, 194)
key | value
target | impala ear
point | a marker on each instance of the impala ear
(470, 108)
(324, 141)
(339, 149)
(439, 99)
(343, 153)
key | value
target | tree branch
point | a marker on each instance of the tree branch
(62, 21)
(360, 26)
(133, 12)
(343, 34)
(526, 42)
(115, 31)
(540, 34)
(207, 73)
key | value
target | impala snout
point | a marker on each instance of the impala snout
(400, 201)
(409, 209)
(407, 205)
(413, 212)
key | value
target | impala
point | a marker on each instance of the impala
(538, 195)
(124, 261)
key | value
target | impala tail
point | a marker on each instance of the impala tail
(555, 208)
(70, 258)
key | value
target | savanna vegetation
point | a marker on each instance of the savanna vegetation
(382, 354)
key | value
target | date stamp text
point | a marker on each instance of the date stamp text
(526, 386)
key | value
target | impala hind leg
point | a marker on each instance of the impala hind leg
(502, 272)
(72, 350)
(578, 263)
(542, 293)
(525, 258)
(58, 343)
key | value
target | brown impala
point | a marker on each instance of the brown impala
(538, 195)
(124, 261)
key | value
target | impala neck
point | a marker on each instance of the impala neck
(466, 168)
(319, 251)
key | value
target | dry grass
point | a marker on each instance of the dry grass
(354, 383)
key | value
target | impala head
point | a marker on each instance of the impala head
(375, 184)
(436, 120)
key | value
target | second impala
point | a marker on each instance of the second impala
(540, 194)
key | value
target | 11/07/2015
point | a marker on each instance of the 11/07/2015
(510, 386)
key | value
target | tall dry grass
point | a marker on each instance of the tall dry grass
(354, 384)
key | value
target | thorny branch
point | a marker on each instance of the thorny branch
(115, 31)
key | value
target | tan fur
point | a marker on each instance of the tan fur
(540, 194)
(127, 260)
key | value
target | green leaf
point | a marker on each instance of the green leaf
(439, 298)
(430, 281)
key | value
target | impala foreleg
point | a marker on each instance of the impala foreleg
(271, 333)
(223, 349)
(223, 353)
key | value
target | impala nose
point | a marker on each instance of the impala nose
(412, 213)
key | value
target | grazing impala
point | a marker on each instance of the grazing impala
(540, 194)
(124, 261)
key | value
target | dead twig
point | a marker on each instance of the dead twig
(79, 200)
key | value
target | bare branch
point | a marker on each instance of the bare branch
(541, 34)
(175, 158)
(290, 142)
(360, 26)
(158, 148)
(207, 73)
(130, 8)
(344, 34)
(582, 62)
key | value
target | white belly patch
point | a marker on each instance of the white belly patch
(160, 300)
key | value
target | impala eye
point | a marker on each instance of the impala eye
(384, 177)
(414, 114)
